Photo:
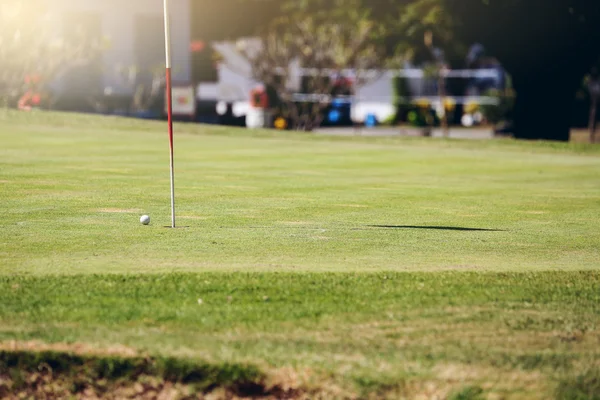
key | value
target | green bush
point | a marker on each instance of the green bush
(500, 112)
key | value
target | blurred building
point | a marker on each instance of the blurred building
(215, 21)
(132, 35)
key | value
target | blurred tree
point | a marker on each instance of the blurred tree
(546, 46)
(412, 21)
(225, 20)
(416, 19)
(593, 86)
(340, 39)
(147, 94)
(404, 23)
(32, 51)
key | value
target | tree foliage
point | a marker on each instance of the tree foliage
(527, 33)
(32, 45)
(417, 18)
(338, 41)
(547, 46)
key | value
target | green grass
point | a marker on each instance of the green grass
(286, 203)
(374, 266)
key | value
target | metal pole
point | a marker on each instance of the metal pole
(169, 104)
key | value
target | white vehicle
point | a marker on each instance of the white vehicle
(374, 99)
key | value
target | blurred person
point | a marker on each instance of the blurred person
(32, 98)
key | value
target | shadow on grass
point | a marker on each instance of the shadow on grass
(82, 372)
(441, 228)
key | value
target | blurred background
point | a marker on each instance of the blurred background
(524, 68)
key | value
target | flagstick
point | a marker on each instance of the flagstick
(169, 104)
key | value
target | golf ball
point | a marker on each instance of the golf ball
(144, 219)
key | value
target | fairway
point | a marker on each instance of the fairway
(332, 267)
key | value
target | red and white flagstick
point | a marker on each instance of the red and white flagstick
(169, 103)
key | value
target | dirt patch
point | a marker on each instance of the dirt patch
(241, 187)
(45, 385)
(120, 210)
(49, 371)
(322, 237)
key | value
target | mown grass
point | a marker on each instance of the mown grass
(368, 330)
(388, 267)
(73, 188)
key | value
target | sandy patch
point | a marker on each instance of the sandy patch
(322, 237)
(191, 217)
(120, 210)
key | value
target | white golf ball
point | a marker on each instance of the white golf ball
(144, 219)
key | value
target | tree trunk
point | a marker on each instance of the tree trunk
(442, 95)
(543, 105)
(592, 123)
